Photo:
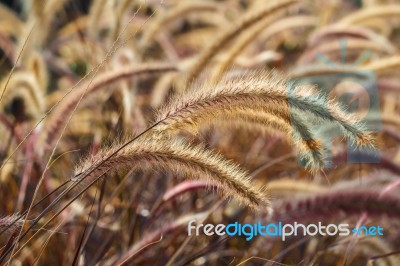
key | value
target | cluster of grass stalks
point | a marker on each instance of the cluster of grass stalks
(122, 120)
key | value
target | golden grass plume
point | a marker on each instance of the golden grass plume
(255, 91)
(178, 157)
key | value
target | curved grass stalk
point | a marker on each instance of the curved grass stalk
(370, 13)
(350, 31)
(290, 187)
(169, 16)
(24, 86)
(155, 238)
(161, 88)
(120, 9)
(270, 30)
(8, 17)
(350, 202)
(383, 64)
(40, 15)
(323, 69)
(70, 28)
(95, 14)
(227, 36)
(352, 45)
(56, 120)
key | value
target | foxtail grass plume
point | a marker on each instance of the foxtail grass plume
(180, 158)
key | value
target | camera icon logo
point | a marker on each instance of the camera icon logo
(354, 89)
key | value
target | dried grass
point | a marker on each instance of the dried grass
(180, 158)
